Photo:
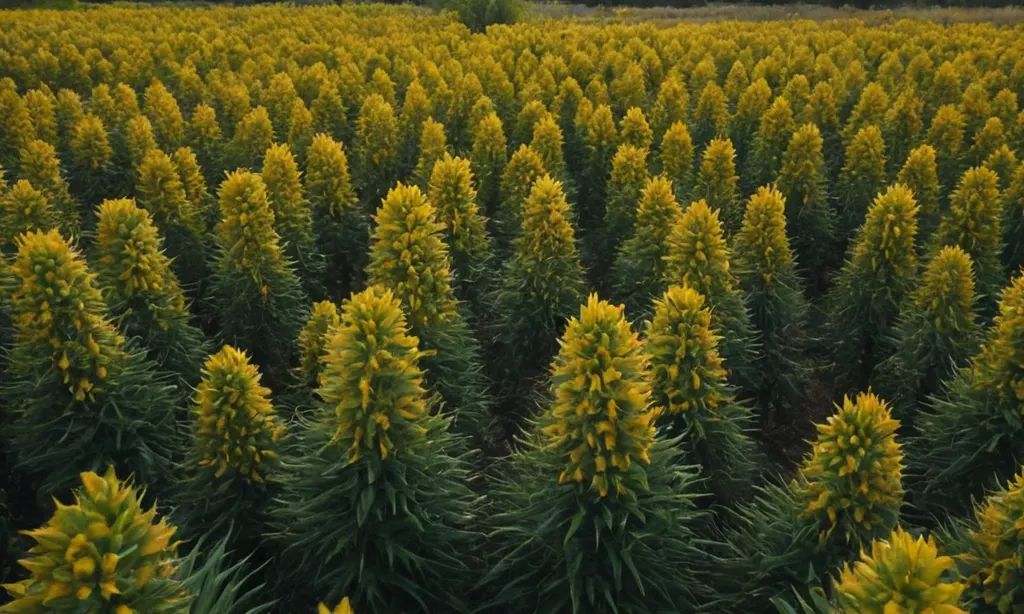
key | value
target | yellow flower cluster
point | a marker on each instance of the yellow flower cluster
(343, 608)
(686, 370)
(852, 479)
(1000, 366)
(372, 382)
(313, 339)
(886, 240)
(901, 575)
(131, 263)
(101, 554)
(409, 256)
(58, 306)
(697, 252)
(23, 209)
(762, 237)
(236, 429)
(946, 293)
(997, 561)
(246, 229)
(601, 418)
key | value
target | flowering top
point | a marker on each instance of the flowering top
(343, 608)
(920, 174)
(131, 264)
(1000, 366)
(236, 430)
(523, 169)
(409, 256)
(901, 575)
(377, 132)
(686, 370)
(90, 144)
(946, 294)
(601, 419)
(547, 142)
(58, 306)
(101, 554)
(23, 209)
(246, 228)
(451, 191)
(762, 241)
(328, 184)
(851, 480)
(634, 130)
(972, 220)
(372, 382)
(886, 240)
(717, 179)
(313, 339)
(40, 166)
(697, 253)
(292, 216)
(995, 558)
(162, 193)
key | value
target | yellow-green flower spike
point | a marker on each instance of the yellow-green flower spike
(993, 563)
(433, 146)
(851, 481)
(58, 308)
(973, 222)
(103, 553)
(600, 140)
(131, 266)
(901, 575)
(40, 167)
(710, 116)
(717, 183)
(372, 382)
(293, 218)
(639, 267)
(601, 419)
(547, 142)
(236, 429)
(802, 181)
(627, 181)
(531, 113)
(68, 110)
(761, 242)
(327, 181)
(770, 142)
(903, 126)
(40, 111)
(1013, 221)
(1000, 366)
(697, 252)
(192, 180)
(253, 135)
(163, 195)
(686, 369)
(736, 82)
(946, 294)
(797, 93)
(523, 169)
(991, 137)
(139, 140)
(300, 129)
(870, 110)
(23, 209)
(488, 159)
(329, 112)
(343, 608)
(1003, 162)
(451, 192)
(920, 175)
(376, 145)
(18, 129)
(409, 256)
(863, 176)
(90, 145)
(246, 228)
(162, 110)
(670, 107)
(634, 129)
(752, 104)
(204, 133)
(676, 158)
(313, 340)
(946, 135)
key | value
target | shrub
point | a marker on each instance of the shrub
(478, 14)
(71, 372)
(688, 382)
(591, 485)
(880, 272)
(374, 441)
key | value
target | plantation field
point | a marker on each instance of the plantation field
(349, 309)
